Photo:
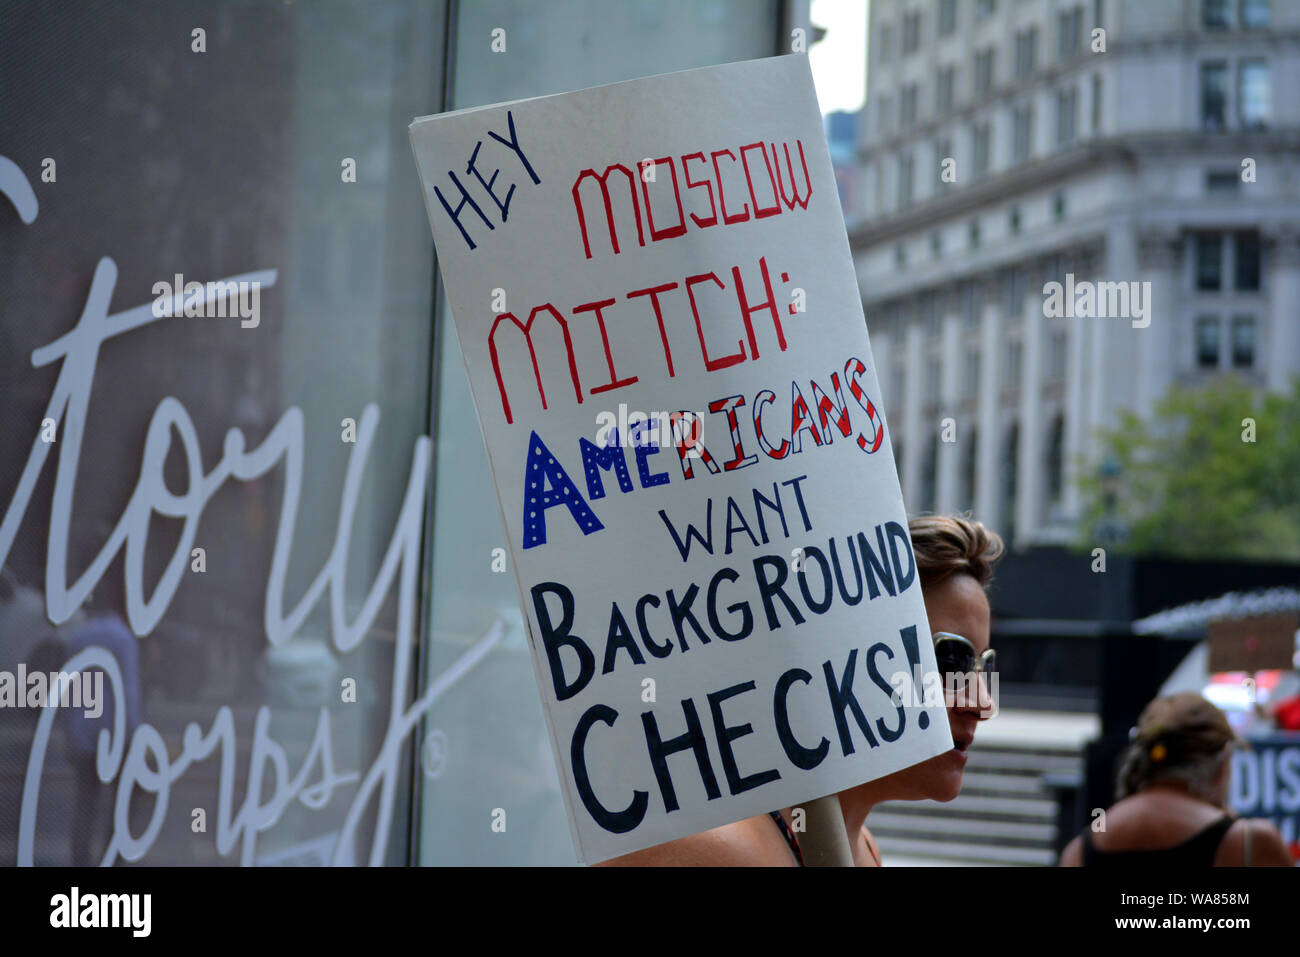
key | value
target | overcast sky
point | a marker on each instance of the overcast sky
(839, 62)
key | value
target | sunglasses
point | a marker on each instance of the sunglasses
(958, 661)
(956, 655)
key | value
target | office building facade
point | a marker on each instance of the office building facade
(1140, 153)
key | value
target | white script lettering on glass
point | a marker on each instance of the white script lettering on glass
(143, 762)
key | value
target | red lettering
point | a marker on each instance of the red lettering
(671, 231)
(653, 292)
(852, 369)
(527, 329)
(789, 165)
(746, 310)
(825, 406)
(690, 447)
(686, 171)
(614, 381)
(722, 197)
(760, 212)
(710, 364)
(729, 405)
(609, 208)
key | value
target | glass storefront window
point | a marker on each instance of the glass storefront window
(157, 145)
(294, 593)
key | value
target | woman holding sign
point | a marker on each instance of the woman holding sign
(954, 559)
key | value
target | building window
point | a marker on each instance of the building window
(980, 151)
(900, 255)
(971, 378)
(907, 107)
(1096, 103)
(1254, 99)
(1246, 267)
(968, 303)
(930, 322)
(969, 467)
(1255, 14)
(930, 475)
(1216, 14)
(1214, 96)
(1013, 292)
(1207, 342)
(1058, 205)
(1243, 342)
(944, 88)
(1056, 357)
(911, 33)
(1022, 132)
(984, 8)
(1097, 9)
(947, 17)
(984, 71)
(1013, 220)
(933, 374)
(905, 180)
(1026, 48)
(1011, 375)
(1209, 263)
(1066, 103)
(936, 244)
(1068, 26)
(1222, 181)
(1010, 466)
(974, 234)
(1056, 459)
(885, 115)
(885, 51)
(942, 152)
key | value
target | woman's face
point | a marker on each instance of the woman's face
(956, 605)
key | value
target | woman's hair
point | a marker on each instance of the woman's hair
(1198, 772)
(947, 544)
(1178, 738)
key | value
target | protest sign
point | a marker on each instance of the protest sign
(1253, 643)
(1266, 782)
(653, 291)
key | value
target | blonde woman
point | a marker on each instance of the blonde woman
(954, 559)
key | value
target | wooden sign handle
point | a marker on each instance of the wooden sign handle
(825, 843)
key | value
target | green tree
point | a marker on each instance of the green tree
(1187, 482)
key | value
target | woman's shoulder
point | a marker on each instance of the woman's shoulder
(873, 850)
(753, 842)
(1153, 818)
(1266, 846)
(1072, 855)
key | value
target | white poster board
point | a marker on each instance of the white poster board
(721, 604)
